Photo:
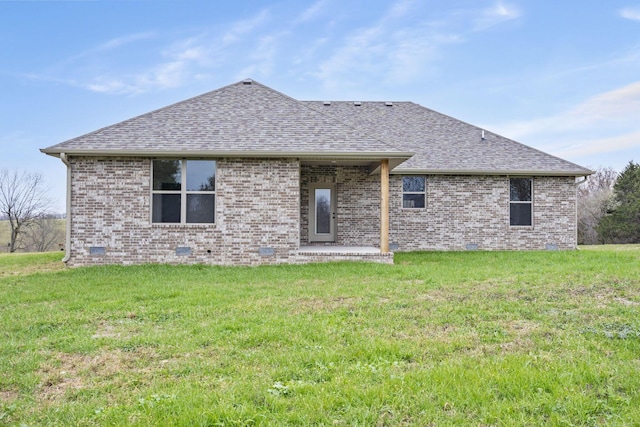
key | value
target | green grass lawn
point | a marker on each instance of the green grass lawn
(474, 338)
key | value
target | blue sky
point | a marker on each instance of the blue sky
(561, 76)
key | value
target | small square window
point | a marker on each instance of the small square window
(414, 194)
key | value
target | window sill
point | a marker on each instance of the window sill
(177, 225)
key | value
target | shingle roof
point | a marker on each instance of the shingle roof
(443, 144)
(244, 119)
(250, 119)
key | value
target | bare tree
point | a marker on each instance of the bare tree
(594, 200)
(22, 200)
(43, 234)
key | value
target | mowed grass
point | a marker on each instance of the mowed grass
(474, 338)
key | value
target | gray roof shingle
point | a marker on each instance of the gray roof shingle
(250, 119)
(245, 118)
(443, 144)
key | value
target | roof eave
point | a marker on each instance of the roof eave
(363, 155)
(414, 171)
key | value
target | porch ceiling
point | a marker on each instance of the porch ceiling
(372, 164)
(350, 162)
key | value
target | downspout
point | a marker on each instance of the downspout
(67, 243)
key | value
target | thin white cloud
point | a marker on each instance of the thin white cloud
(109, 45)
(309, 51)
(632, 13)
(312, 12)
(602, 124)
(262, 58)
(124, 40)
(600, 145)
(104, 69)
(399, 9)
(168, 74)
(243, 27)
(498, 13)
(392, 51)
(615, 109)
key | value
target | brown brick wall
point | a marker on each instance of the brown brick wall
(263, 203)
(256, 206)
(463, 210)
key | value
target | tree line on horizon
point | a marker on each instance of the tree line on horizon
(609, 206)
(33, 227)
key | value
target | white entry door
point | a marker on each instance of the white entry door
(322, 213)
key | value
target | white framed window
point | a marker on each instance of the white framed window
(521, 202)
(183, 191)
(414, 192)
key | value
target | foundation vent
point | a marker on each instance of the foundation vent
(266, 251)
(183, 251)
(97, 250)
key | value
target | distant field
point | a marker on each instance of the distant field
(5, 233)
(473, 338)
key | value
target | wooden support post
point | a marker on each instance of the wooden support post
(384, 206)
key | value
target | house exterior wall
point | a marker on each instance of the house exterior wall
(257, 206)
(262, 214)
(474, 210)
(358, 204)
(460, 210)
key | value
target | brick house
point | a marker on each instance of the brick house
(247, 175)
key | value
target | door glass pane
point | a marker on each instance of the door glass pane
(167, 174)
(323, 211)
(200, 208)
(166, 208)
(201, 175)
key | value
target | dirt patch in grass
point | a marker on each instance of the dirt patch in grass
(434, 295)
(625, 301)
(124, 328)
(324, 304)
(63, 372)
(8, 396)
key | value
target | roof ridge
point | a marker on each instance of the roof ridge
(332, 118)
(357, 128)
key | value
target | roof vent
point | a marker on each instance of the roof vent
(327, 102)
(247, 81)
(388, 104)
(357, 103)
(482, 134)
